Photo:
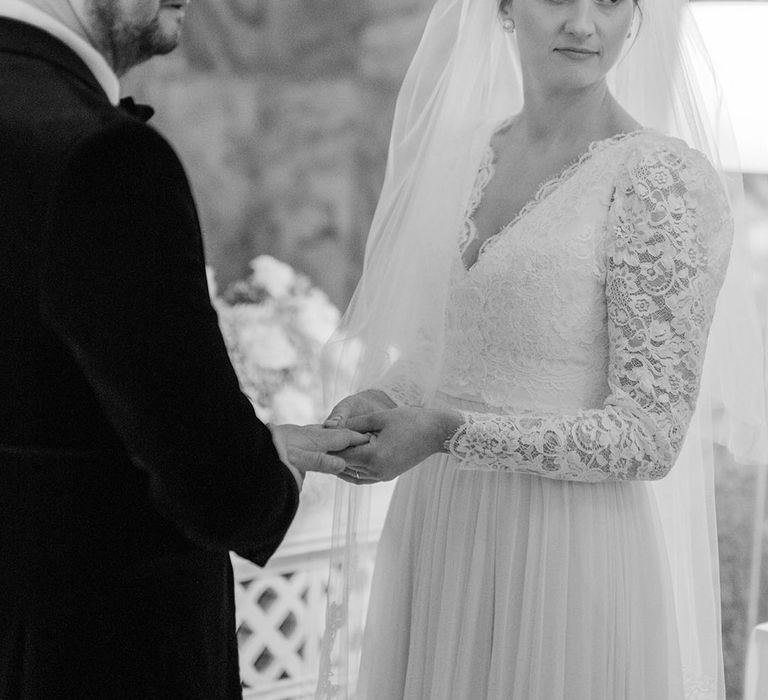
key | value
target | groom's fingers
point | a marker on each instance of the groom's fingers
(316, 461)
(339, 415)
(362, 481)
(335, 420)
(360, 455)
(354, 438)
(371, 423)
(339, 439)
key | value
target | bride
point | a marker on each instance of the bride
(539, 287)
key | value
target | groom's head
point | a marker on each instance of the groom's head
(129, 32)
(125, 32)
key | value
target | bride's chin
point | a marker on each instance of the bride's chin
(575, 80)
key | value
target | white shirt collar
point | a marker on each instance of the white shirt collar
(102, 71)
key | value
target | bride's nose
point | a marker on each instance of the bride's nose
(581, 23)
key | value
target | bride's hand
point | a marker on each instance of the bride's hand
(401, 438)
(361, 404)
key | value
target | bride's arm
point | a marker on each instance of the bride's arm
(666, 259)
(670, 233)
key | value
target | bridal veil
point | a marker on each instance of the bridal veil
(463, 81)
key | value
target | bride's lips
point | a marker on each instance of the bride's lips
(175, 4)
(577, 52)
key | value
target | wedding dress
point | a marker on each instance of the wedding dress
(529, 562)
(545, 557)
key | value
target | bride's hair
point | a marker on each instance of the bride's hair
(503, 4)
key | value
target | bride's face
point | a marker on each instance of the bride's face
(567, 44)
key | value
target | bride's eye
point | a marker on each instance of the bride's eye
(609, 2)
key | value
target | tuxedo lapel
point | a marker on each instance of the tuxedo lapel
(24, 39)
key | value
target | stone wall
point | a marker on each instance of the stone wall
(281, 112)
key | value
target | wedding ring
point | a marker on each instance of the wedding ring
(357, 475)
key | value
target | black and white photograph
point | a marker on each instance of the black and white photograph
(383, 350)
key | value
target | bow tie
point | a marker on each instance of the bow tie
(143, 112)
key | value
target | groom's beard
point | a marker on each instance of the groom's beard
(129, 41)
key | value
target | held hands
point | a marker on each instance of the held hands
(400, 439)
(306, 447)
(362, 404)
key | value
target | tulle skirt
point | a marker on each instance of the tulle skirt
(493, 585)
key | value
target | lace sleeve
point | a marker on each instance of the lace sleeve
(669, 240)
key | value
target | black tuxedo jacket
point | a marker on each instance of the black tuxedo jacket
(130, 462)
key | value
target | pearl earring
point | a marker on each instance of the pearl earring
(508, 25)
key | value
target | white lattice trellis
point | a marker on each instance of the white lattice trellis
(280, 620)
(280, 609)
(280, 614)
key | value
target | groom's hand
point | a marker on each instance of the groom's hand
(361, 404)
(306, 447)
(401, 438)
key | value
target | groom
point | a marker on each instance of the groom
(130, 463)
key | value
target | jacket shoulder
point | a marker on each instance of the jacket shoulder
(62, 115)
(119, 143)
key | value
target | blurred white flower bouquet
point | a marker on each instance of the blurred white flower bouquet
(275, 324)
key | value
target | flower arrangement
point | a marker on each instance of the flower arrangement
(275, 324)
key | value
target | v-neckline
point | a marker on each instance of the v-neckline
(543, 191)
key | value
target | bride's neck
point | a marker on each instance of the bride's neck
(571, 117)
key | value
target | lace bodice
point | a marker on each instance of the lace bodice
(583, 324)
